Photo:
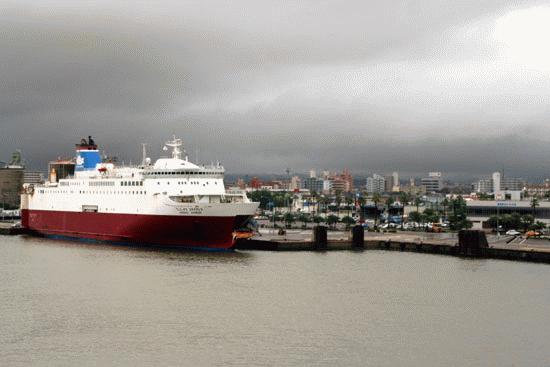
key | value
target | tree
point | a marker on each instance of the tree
(332, 220)
(458, 219)
(534, 204)
(445, 204)
(417, 202)
(264, 197)
(538, 226)
(348, 221)
(338, 199)
(430, 216)
(526, 222)
(415, 217)
(318, 219)
(304, 218)
(289, 218)
(361, 201)
(376, 199)
(404, 198)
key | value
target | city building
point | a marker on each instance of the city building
(241, 184)
(388, 183)
(314, 184)
(499, 185)
(396, 185)
(484, 186)
(11, 182)
(433, 183)
(376, 184)
(341, 182)
(542, 190)
(295, 183)
(255, 183)
(479, 211)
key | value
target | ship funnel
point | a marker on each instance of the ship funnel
(87, 155)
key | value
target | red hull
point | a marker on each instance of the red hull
(160, 230)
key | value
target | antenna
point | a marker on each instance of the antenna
(143, 153)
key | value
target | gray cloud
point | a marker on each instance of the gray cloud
(269, 85)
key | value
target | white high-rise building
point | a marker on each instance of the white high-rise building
(375, 184)
(312, 173)
(395, 178)
(496, 182)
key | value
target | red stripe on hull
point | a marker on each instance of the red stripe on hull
(161, 230)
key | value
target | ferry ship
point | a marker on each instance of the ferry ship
(173, 202)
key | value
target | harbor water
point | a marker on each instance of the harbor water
(65, 304)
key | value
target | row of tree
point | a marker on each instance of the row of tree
(515, 221)
(331, 220)
(454, 211)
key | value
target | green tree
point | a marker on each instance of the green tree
(445, 204)
(417, 202)
(304, 218)
(348, 221)
(415, 217)
(534, 204)
(404, 198)
(458, 219)
(430, 216)
(526, 222)
(538, 226)
(264, 197)
(376, 199)
(332, 220)
(318, 219)
(289, 218)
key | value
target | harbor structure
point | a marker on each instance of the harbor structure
(11, 182)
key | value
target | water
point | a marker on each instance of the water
(66, 304)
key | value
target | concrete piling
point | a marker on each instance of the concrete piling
(471, 242)
(320, 237)
(358, 237)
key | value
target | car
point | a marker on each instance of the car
(512, 232)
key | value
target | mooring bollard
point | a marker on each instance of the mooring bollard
(471, 242)
(320, 237)
(358, 237)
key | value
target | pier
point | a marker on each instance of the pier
(474, 244)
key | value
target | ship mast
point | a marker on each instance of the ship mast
(175, 144)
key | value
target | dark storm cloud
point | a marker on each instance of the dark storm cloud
(268, 85)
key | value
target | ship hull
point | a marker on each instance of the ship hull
(192, 232)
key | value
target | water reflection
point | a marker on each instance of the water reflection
(150, 253)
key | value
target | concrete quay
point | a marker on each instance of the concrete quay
(7, 229)
(433, 243)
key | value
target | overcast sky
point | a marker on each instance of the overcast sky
(457, 86)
